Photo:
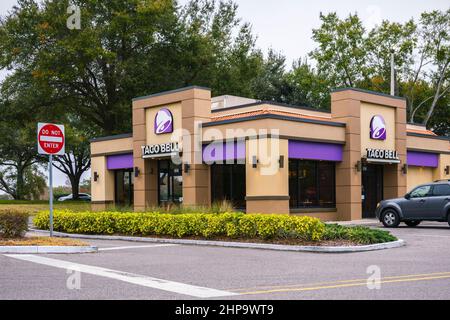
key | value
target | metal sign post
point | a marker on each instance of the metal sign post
(51, 141)
(50, 191)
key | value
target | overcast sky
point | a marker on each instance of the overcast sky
(285, 25)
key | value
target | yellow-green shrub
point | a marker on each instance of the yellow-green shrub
(233, 225)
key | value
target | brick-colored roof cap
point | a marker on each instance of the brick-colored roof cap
(431, 133)
(269, 111)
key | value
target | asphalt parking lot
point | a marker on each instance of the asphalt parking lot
(128, 270)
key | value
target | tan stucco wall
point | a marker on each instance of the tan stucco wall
(427, 144)
(268, 180)
(369, 110)
(260, 183)
(419, 175)
(303, 130)
(439, 172)
(103, 188)
(112, 146)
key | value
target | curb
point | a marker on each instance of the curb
(230, 244)
(47, 249)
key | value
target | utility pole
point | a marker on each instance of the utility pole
(392, 74)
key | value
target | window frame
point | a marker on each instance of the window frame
(440, 195)
(297, 192)
(429, 193)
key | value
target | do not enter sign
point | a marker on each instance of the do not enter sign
(51, 139)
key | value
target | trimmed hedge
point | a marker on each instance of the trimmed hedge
(232, 225)
(359, 234)
(13, 224)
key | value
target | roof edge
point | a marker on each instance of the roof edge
(170, 91)
(113, 137)
(368, 91)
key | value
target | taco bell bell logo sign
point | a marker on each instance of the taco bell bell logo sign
(163, 122)
(378, 128)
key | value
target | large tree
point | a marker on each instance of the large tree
(126, 49)
(348, 55)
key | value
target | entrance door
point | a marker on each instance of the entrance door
(123, 187)
(372, 189)
(170, 188)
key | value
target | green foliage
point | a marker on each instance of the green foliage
(13, 224)
(233, 225)
(359, 234)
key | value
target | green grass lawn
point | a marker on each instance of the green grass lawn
(35, 206)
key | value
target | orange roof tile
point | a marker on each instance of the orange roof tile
(269, 111)
(431, 133)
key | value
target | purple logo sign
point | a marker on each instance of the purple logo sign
(163, 122)
(378, 128)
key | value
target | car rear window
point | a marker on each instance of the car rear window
(441, 190)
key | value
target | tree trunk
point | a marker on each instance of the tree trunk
(75, 183)
(19, 184)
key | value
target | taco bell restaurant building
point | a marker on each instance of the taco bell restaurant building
(333, 165)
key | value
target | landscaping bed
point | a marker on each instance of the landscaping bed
(236, 227)
(41, 241)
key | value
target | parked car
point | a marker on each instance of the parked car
(82, 196)
(430, 202)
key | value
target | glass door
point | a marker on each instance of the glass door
(124, 183)
(170, 187)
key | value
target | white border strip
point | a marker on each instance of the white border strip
(145, 281)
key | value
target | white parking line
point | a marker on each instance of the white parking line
(161, 284)
(138, 247)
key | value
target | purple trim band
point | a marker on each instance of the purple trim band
(223, 151)
(315, 150)
(119, 161)
(422, 159)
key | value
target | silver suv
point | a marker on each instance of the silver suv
(429, 201)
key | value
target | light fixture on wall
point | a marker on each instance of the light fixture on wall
(281, 162)
(405, 169)
(358, 165)
(96, 176)
(254, 162)
(187, 168)
(447, 170)
(136, 172)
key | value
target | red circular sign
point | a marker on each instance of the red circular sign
(51, 139)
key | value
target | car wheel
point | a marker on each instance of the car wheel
(390, 218)
(448, 219)
(412, 223)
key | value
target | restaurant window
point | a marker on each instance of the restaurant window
(311, 184)
(228, 183)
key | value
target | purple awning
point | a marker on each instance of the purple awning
(315, 150)
(422, 159)
(119, 161)
(222, 151)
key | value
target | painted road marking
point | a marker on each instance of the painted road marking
(161, 284)
(344, 285)
(138, 247)
(336, 282)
